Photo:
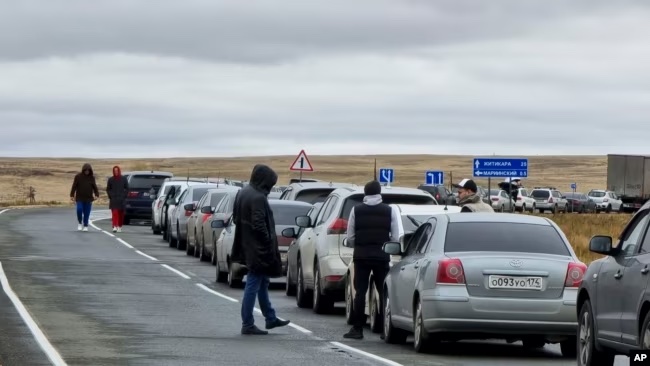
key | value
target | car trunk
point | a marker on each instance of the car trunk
(520, 275)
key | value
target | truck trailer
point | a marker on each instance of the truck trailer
(629, 177)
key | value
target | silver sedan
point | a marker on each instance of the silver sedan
(484, 276)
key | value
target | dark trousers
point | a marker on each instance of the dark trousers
(83, 212)
(362, 270)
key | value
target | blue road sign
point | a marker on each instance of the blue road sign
(386, 175)
(500, 167)
(574, 186)
(434, 177)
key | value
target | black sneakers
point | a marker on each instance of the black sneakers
(354, 333)
(253, 330)
(277, 323)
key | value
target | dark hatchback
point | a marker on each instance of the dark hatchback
(139, 198)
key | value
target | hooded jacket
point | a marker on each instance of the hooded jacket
(84, 186)
(474, 203)
(117, 189)
(255, 243)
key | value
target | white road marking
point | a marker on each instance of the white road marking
(176, 271)
(257, 310)
(125, 243)
(109, 234)
(145, 255)
(92, 224)
(43, 342)
(205, 288)
(3, 211)
(385, 361)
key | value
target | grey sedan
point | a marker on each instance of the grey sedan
(483, 276)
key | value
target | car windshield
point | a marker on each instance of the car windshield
(313, 195)
(540, 194)
(387, 198)
(286, 214)
(597, 194)
(412, 222)
(146, 181)
(504, 237)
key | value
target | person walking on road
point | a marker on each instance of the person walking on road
(116, 189)
(83, 188)
(470, 201)
(370, 225)
(256, 246)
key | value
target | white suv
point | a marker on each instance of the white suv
(524, 202)
(606, 201)
(322, 261)
(549, 198)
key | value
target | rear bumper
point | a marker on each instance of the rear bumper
(452, 310)
(138, 212)
(332, 272)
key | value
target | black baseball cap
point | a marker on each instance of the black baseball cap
(467, 184)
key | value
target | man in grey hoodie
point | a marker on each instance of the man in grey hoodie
(370, 225)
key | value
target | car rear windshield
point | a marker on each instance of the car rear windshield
(216, 198)
(597, 194)
(141, 181)
(575, 196)
(313, 195)
(504, 237)
(404, 199)
(286, 214)
(540, 194)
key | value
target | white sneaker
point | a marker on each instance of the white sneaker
(114, 229)
(85, 228)
(119, 229)
(79, 227)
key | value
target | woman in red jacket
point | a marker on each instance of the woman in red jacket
(117, 189)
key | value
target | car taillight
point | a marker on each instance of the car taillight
(518, 198)
(339, 226)
(132, 194)
(574, 274)
(188, 213)
(450, 271)
(606, 200)
(495, 199)
(437, 196)
(550, 200)
(159, 204)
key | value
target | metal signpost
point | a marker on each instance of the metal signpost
(301, 164)
(574, 187)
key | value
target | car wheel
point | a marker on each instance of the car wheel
(303, 297)
(349, 301)
(608, 209)
(173, 243)
(373, 308)
(587, 353)
(180, 243)
(502, 209)
(569, 347)
(523, 208)
(423, 341)
(322, 304)
(289, 288)
(221, 276)
(213, 258)
(391, 334)
(190, 248)
(233, 281)
(202, 256)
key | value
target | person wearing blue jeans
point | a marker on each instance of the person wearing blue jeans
(255, 246)
(83, 188)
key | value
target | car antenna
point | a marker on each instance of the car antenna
(188, 175)
(218, 174)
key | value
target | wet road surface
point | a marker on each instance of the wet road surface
(101, 301)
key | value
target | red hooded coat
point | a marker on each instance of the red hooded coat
(117, 189)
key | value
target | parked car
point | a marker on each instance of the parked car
(311, 192)
(223, 211)
(157, 212)
(440, 193)
(579, 202)
(185, 206)
(284, 215)
(613, 307)
(481, 275)
(294, 250)
(524, 202)
(322, 261)
(500, 200)
(412, 216)
(205, 208)
(138, 199)
(606, 201)
(549, 198)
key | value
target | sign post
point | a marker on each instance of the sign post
(434, 177)
(301, 164)
(574, 187)
(386, 176)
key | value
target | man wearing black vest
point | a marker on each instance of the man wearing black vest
(370, 225)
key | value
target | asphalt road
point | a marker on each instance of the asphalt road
(101, 301)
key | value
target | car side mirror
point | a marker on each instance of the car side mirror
(303, 221)
(217, 224)
(206, 210)
(392, 248)
(189, 207)
(601, 244)
(289, 232)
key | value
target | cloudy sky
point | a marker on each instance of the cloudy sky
(158, 78)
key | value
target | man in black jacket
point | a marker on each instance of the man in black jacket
(81, 192)
(256, 246)
(370, 225)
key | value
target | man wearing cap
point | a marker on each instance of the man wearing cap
(370, 225)
(470, 201)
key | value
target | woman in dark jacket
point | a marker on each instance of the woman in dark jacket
(81, 192)
(117, 189)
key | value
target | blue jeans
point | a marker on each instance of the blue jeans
(83, 212)
(256, 286)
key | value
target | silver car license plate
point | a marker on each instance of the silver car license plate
(515, 282)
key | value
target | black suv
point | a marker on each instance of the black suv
(440, 193)
(143, 186)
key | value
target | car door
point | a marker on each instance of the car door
(616, 202)
(404, 284)
(610, 294)
(634, 283)
(308, 247)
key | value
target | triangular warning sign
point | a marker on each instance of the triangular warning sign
(301, 163)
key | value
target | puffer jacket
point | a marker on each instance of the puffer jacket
(84, 186)
(255, 243)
